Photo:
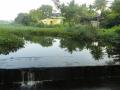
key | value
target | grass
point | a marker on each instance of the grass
(78, 32)
(12, 36)
(9, 43)
(84, 32)
(109, 34)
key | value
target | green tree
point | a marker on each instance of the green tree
(100, 5)
(85, 14)
(96, 52)
(46, 11)
(69, 12)
(112, 16)
(116, 6)
(35, 15)
(110, 19)
(23, 18)
(75, 14)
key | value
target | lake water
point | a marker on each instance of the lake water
(39, 52)
(48, 63)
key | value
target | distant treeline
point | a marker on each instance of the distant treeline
(76, 14)
(4, 22)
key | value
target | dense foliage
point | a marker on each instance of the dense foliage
(107, 15)
(34, 15)
(76, 14)
(112, 15)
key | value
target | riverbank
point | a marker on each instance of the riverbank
(78, 32)
(71, 40)
(110, 34)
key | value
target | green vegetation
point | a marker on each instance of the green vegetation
(109, 34)
(12, 38)
(34, 16)
(77, 24)
(111, 16)
(83, 32)
(79, 32)
(9, 42)
(100, 5)
(76, 14)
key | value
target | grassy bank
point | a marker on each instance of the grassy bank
(78, 32)
(9, 43)
(109, 34)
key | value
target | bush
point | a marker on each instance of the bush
(10, 43)
(109, 34)
(78, 32)
(83, 32)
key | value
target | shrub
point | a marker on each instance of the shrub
(83, 32)
(109, 34)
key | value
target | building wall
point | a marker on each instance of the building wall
(52, 21)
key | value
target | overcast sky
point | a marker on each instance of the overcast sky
(9, 9)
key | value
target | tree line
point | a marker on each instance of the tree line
(73, 13)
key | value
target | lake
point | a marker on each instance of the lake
(41, 51)
(49, 63)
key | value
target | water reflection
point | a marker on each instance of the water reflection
(10, 46)
(114, 51)
(98, 49)
(63, 78)
(42, 40)
(73, 45)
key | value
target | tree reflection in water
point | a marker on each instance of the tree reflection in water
(42, 40)
(30, 80)
(97, 49)
(73, 45)
(114, 51)
(10, 44)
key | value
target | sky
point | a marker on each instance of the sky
(9, 9)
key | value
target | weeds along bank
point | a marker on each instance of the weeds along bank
(9, 43)
(78, 32)
(110, 34)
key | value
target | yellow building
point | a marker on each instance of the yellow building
(52, 21)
